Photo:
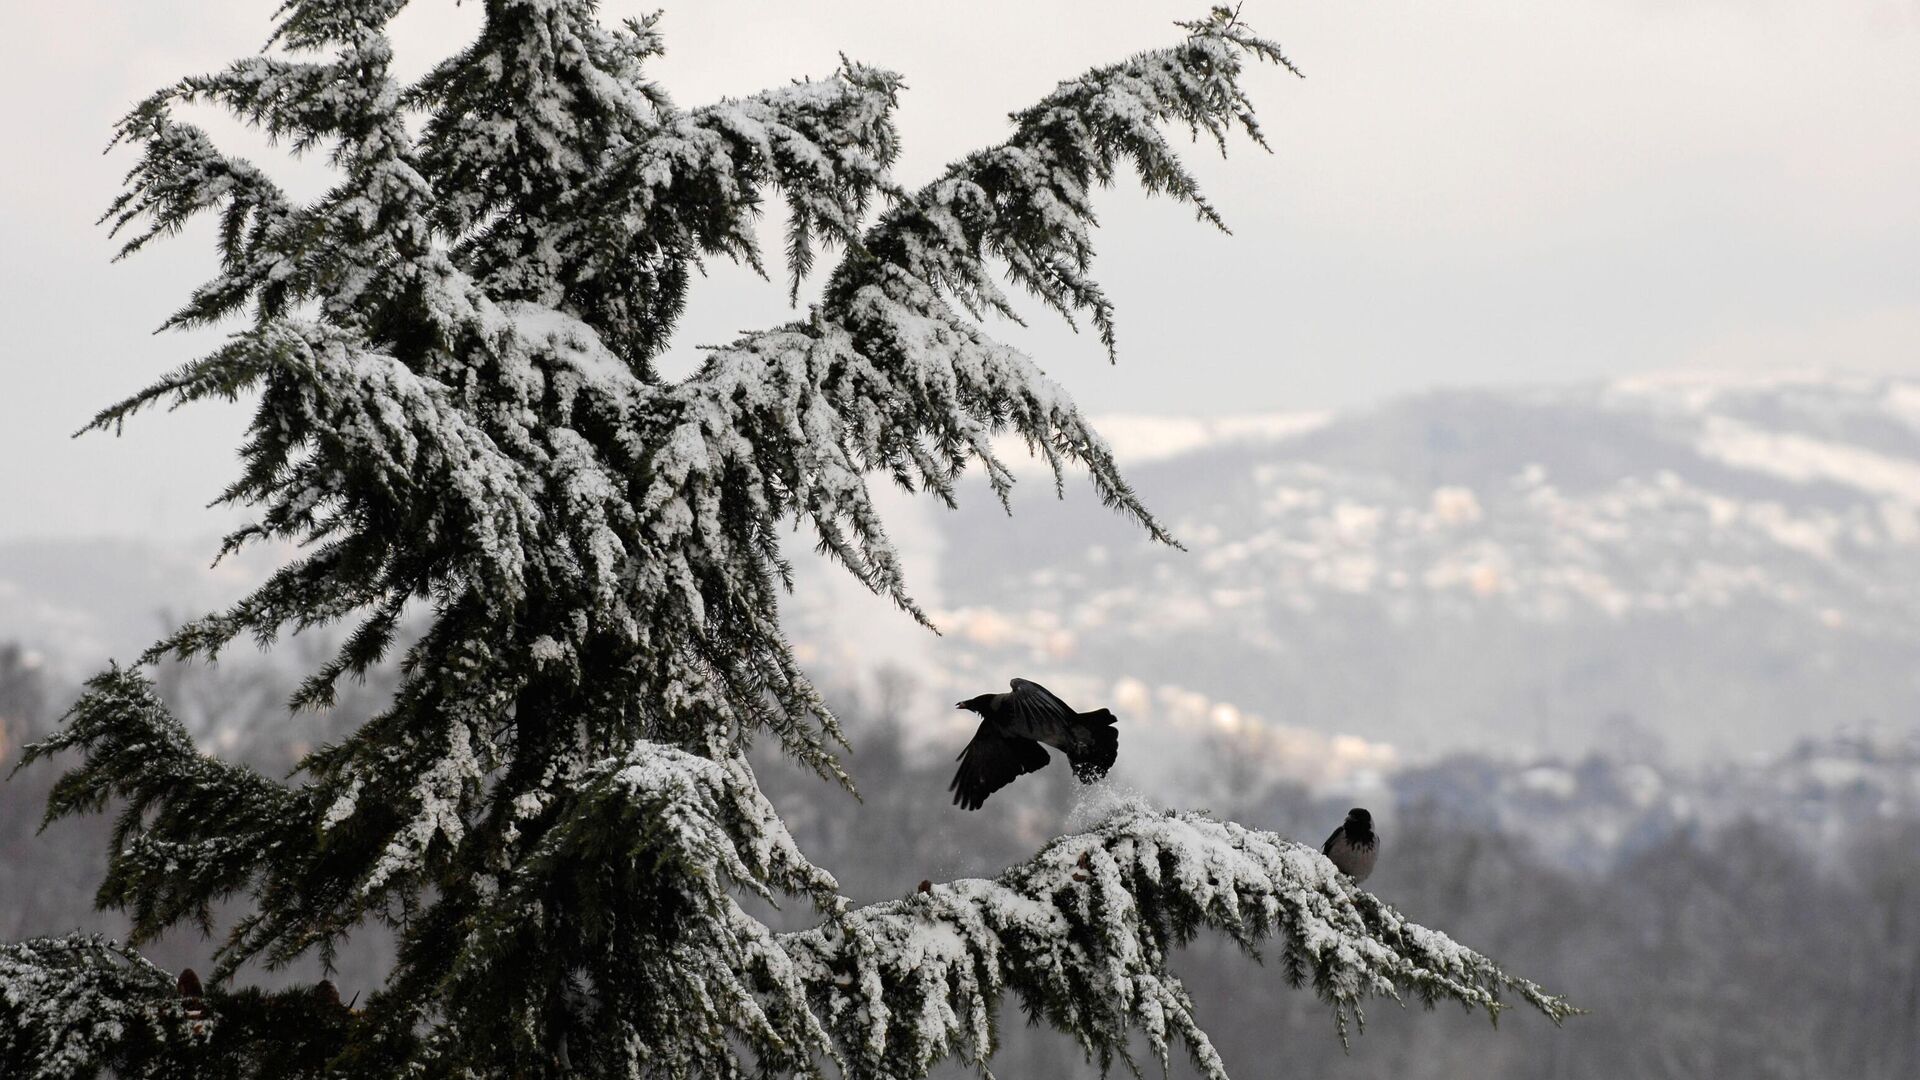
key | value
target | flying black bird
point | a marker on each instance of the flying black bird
(1013, 727)
(1354, 845)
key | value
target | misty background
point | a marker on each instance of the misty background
(1545, 444)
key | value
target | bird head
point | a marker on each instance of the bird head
(976, 704)
(1358, 819)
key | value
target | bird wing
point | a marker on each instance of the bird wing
(1033, 710)
(1032, 695)
(1327, 848)
(990, 762)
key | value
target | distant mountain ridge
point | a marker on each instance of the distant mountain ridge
(1732, 563)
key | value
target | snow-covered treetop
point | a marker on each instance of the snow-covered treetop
(452, 354)
(452, 351)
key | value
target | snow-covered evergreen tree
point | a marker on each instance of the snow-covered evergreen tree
(458, 413)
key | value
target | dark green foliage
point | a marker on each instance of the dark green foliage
(81, 1006)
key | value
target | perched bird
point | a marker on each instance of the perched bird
(188, 985)
(1354, 845)
(1015, 730)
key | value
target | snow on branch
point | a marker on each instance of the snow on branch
(1027, 202)
(80, 1006)
(1082, 933)
(71, 1006)
(570, 178)
(191, 829)
(889, 376)
(369, 456)
(316, 24)
(182, 174)
(673, 840)
(1081, 936)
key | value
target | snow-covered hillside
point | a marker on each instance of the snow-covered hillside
(1723, 565)
(1587, 814)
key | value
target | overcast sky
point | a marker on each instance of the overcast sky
(1484, 191)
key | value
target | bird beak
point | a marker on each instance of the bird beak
(960, 705)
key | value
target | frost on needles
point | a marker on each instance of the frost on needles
(452, 352)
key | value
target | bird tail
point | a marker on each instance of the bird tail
(1099, 746)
